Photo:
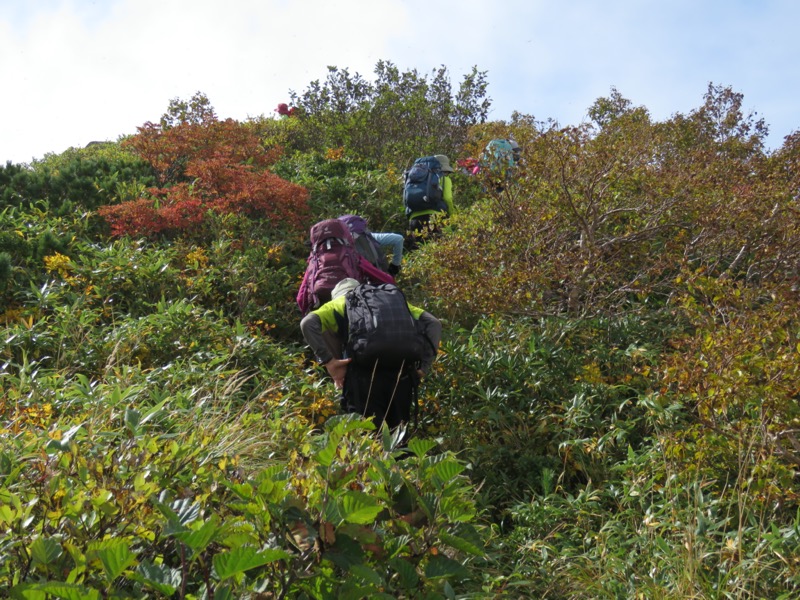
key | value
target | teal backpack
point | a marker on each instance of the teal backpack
(498, 156)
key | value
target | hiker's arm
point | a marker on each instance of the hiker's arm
(447, 194)
(315, 336)
(337, 369)
(311, 326)
(393, 241)
(431, 329)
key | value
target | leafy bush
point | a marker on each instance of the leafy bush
(341, 185)
(137, 511)
(526, 396)
(74, 179)
(394, 119)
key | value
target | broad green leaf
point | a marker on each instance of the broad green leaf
(45, 551)
(244, 558)
(456, 509)
(186, 510)
(345, 552)
(443, 567)
(223, 592)
(27, 591)
(133, 419)
(198, 539)
(427, 502)
(352, 591)
(179, 514)
(447, 470)
(460, 544)
(421, 447)
(68, 591)
(115, 555)
(327, 454)
(366, 574)
(358, 507)
(243, 490)
(161, 578)
(344, 424)
(409, 578)
(7, 514)
(449, 592)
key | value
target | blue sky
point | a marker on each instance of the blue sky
(76, 71)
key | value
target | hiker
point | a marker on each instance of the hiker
(468, 166)
(375, 346)
(499, 161)
(373, 245)
(333, 257)
(427, 191)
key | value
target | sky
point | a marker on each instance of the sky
(77, 71)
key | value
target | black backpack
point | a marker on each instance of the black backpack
(422, 188)
(381, 327)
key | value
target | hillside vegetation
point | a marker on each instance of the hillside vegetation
(613, 414)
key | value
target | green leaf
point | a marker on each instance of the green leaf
(198, 539)
(447, 470)
(45, 551)
(460, 544)
(67, 591)
(449, 592)
(345, 552)
(186, 510)
(7, 514)
(243, 490)
(179, 514)
(358, 507)
(161, 578)
(421, 447)
(63, 443)
(328, 453)
(442, 567)
(223, 592)
(114, 554)
(133, 419)
(27, 591)
(409, 578)
(456, 509)
(366, 574)
(244, 558)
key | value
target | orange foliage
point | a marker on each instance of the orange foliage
(217, 166)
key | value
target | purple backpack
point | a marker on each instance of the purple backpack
(365, 243)
(333, 257)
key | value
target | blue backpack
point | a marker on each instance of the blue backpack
(422, 187)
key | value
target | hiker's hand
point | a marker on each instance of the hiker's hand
(337, 369)
(420, 374)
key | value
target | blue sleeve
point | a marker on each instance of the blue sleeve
(393, 241)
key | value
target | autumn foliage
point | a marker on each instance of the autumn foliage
(211, 166)
(606, 215)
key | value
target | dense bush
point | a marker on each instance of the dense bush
(393, 119)
(80, 181)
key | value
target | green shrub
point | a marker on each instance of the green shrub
(140, 499)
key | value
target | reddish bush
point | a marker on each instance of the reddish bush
(217, 166)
